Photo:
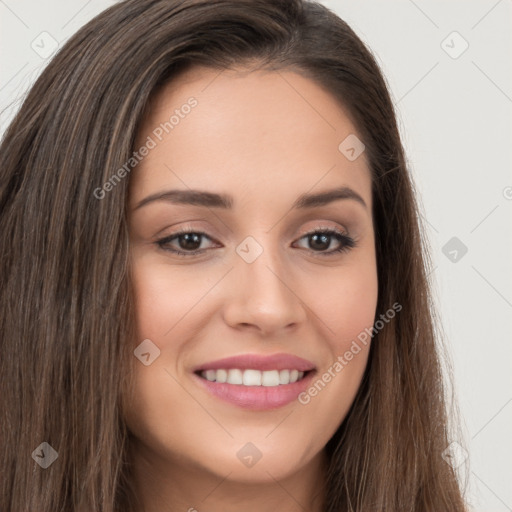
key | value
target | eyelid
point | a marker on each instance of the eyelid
(187, 228)
(322, 227)
(190, 229)
(342, 236)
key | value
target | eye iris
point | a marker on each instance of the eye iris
(190, 239)
(320, 241)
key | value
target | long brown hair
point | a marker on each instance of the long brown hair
(66, 311)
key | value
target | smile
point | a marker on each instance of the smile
(269, 378)
(254, 381)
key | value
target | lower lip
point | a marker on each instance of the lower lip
(258, 398)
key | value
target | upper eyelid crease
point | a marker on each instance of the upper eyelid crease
(348, 240)
(214, 200)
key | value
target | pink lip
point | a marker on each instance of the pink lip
(259, 362)
(258, 398)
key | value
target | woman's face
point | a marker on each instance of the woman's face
(261, 297)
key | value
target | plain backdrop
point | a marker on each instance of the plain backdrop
(448, 66)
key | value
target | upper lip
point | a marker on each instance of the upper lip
(259, 362)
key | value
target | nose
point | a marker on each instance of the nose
(264, 296)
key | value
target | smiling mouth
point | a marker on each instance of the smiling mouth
(252, 377)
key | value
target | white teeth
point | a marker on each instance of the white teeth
(235, 377)
(284, 377)
(210, 375)
(222, 376)
(252, 378)
(269, 378)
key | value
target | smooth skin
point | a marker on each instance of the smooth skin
(264, 138)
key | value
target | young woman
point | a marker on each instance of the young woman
(213, 283)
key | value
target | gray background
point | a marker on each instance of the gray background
(454, 109)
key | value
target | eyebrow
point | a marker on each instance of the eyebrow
(214, 200)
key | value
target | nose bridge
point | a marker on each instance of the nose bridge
(265, 273)
(263, 291)
(259, 255)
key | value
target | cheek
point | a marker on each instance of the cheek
(347, 302)
(154, 299)
(347, 307)
(164, 296)
(353, 308)
(163, 299)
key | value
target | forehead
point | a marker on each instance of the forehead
(262, 132)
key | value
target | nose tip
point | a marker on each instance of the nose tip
(262, 294)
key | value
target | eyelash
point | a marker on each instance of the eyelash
(347, 242)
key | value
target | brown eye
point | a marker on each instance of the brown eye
(188, 243)
(319, 241)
